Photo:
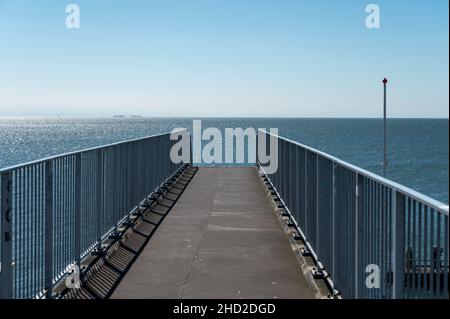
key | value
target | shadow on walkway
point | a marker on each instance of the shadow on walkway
(108, 271)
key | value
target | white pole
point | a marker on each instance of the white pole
(385, 161)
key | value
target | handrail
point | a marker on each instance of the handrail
(444, 208)
(42, 160)
(56, 211)
(355, 223)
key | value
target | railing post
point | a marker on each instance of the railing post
(317, 248)
(48, 228)
(6, 274)
(115, 185)
(333, 230)
(359, 247)
(269, 151)
(256, 148)
(305, 230)
(99, 195)
(399, 243)
(191, 150)
(77, 209)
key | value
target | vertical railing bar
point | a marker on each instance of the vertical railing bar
(62, 242)
(296, 188)
(69, 219)
(399, 214)
(428, 249)
(432, 270)
(370, 229)
(42, 225)
(411, 238)
(36, 232)
(99, 200)
(77, 207)
(306, 194)
(18, 219)
(60, 215)
(48, 228)
(130, 170)
(352, 225)
(57, 210)
(333, 228)
(390, 251)
(117, 172)
(415, 244)
(283, 173)
(64, 211)
(358, 231)
(380, 235)
(31, 230)
(21, 226)
(446, 259)
(435, 259)
(289, 176)
(362, 230)
(411, 246)
(317, 207)
(30, 219)
(15, 231)
(24, 274)
(420, 251)
(438, 255)
(115, 181)
(6, 205)
(23, 232)
(373, 229)
(72, 216)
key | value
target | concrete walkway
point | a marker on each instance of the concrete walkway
(221, 240)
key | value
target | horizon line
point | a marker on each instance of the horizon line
(135, 116)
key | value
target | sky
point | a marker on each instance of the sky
(243, 58)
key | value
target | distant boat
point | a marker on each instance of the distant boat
(130, 116)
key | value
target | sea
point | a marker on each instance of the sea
(418, 149)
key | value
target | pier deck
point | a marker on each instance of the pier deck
(222, 239)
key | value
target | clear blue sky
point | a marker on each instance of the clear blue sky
(224, 58)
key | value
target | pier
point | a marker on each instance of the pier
(124, 221)
(221, 240)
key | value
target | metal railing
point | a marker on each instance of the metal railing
(370, 237)
(56, 211)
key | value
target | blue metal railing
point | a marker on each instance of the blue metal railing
(56, 211)
(357, 225)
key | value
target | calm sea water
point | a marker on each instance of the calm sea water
(418, 148)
